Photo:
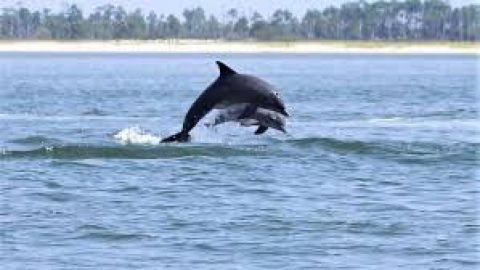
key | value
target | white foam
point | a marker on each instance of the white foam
(201, 134)
(136, 135)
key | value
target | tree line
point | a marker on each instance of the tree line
(360, 20)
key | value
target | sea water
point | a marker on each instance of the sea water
(378, 169)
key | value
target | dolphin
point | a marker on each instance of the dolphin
(261, 117)
(228, 89)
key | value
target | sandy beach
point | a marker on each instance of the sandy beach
(216, 46)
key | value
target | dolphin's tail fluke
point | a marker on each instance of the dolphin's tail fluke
(179, 137)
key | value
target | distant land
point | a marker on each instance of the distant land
(224, 46)
(411, 20)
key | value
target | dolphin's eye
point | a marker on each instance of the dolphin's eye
(276, 94)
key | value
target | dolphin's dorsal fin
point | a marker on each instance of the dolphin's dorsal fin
(224, 69)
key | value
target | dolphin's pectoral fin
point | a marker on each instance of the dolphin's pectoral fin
(248, 112)
(260, 130)
(224, 69)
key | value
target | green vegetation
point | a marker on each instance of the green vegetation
(411, 20)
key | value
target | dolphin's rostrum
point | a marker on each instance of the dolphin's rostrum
(228, 89)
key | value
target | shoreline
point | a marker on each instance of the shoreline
(221, 46)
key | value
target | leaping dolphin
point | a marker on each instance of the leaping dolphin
(228, 89)
(261, 117)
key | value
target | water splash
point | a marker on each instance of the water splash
(136, 135)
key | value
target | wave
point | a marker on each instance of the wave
(35, 140)
(410, 123)
(95, 112)
(96, 232)
(398, 150)
(137, 143)
(79, 151)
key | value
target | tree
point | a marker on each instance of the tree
(194, 22)
(136, 27)
(351, 16)
(213, 28)
(372, 20)
(152, 25)
(435, 15)
(312, 24)
(241, 28)
(119, 24)
(260, 28)
(284, 24)
(333, 23)
(23, 30)
(232, 15)
(9, 23)
(74, 18)
(173, 27)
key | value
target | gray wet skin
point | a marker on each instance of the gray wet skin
(260, 117)
(228, 89)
